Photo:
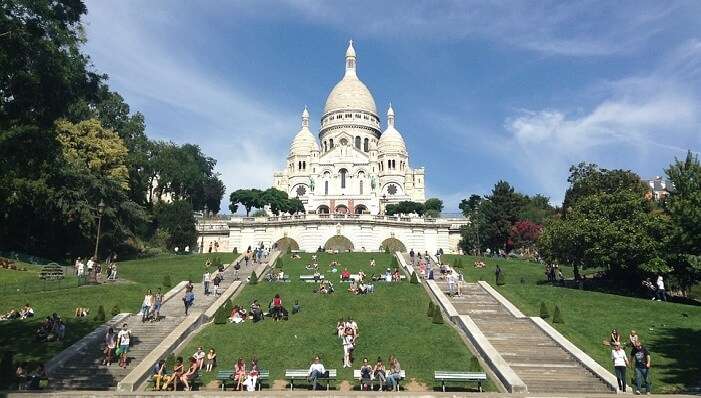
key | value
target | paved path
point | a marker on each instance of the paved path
(84, 370)
(537, 359)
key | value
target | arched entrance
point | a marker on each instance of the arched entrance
(323, 209)
(361, 209)
(341, 209)
(394, 245)
(340, 243)
(287, 243)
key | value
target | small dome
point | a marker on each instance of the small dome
(304, 142)
(391, 140)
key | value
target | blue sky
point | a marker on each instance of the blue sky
(482, 90)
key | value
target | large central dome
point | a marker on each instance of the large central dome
(350, 92)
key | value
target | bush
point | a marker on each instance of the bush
(395, 264)
(253, 279)
(7, 368)
(557, 317)
(414, 278)
(170, 361)
(236, 250)
(100, 315)
(386, 249)
(115, 310)
(221, 317)
(279, 263)
(500, 279)
(216, 262)
(289, 249)
(167, 282)
(437, 316)
(430, 309)
(543, 310)
(474, 365)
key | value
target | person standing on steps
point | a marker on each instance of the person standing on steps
(188, 300)
(123, 341)
(205, 281)
(620, 363)
(157, 302)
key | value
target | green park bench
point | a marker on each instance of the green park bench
(373, 380)
(444, 376)
(224, 376)
(310, 278)
(301, 374)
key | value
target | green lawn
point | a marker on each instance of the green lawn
(672, 332)
(135, 277)
(391, 321)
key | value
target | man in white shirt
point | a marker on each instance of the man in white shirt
(205, 280)
(451, 283)
(91, 264)
(661, 294)
(123, 340)
(316, 370)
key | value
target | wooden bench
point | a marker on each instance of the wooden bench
(301, 374)
(373, 380)
(310, 278)
(224, 376)
(445, 376)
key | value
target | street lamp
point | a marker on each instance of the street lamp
(204, 216)
(100, 212)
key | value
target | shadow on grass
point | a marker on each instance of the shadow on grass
(683, 346)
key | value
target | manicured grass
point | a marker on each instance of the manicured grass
(135, 277)
(392, 320)
(672, 332)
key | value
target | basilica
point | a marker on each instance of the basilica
(355, 167)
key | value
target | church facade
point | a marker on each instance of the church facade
(355, 167)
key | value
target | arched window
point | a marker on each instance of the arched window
(343, 178)
(366, 145)
(357, 142)
(326, 187)
(304, 164)
(331, 143)
(299, 165)
(361, 187)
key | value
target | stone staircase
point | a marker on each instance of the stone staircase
(542, 364)
(84, 371)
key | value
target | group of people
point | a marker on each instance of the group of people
(178, 375)
(116, 346)
(390, 374)
(93, 268)
(27, 380)
(639, 359)
(347, 331)
(151, 306)
(52, 329)
(22, 313)
(243, 377)
(276, 310)
(553, 273)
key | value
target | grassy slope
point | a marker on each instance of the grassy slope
(672, 332)
(140, 275)
(391, 321)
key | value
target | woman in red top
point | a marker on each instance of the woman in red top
(239, 373)
(277, 307)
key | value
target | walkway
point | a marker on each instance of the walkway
(84, 371)
(542, 364)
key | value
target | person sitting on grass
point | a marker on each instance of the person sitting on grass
(239, 374)
(396, 276)
(380, 373)
(277, 307)
(175, 376)
(236, 316)
(372, 262)
(190, 375)
(316, 371)
(210, 360)
(363, 288)
(345, 275)
(633, 338)
(256, 311)
(340, 328)
(353, 287)
(199, 357)
(159, 373)
(334, 267)
(26, 312)
(365, 375)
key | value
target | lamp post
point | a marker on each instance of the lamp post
(204, 217)
(383, 204)
(100, 212)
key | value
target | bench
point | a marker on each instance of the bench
(301, 374)
(197, 381)
(445, 376)
(356, 375)
(310, 278)
(224, 376)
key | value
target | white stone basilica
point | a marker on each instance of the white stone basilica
(356, 167)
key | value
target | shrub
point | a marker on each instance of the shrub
(289, 249)
(430, 309)
(100, 315)
(543, 310)
(216, 262)
(474, 365)
(395, 264)
(236, 250)
(279, 263)
(222, 314)
(414, 278)
(437, 316)
(557, 317)
(253, 279)
(500, 279)
(115, 310)
(386, 249)
(170, 361)
(167, 282)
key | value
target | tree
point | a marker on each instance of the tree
(537, 209)
(276, 199)
(248, 198)
(468, 206)
(524, 234)
(683, 206)
(295, 206)
(433, 207)
(177, 218)
(501, 210)
(472, 235)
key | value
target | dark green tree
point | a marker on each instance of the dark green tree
(501, 210)
(177, 218)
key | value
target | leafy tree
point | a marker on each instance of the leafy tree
(501, 210)
(253, 279)
(100, 315)
(437, 316)
(295, 206)
(683, 206)
(433, 207)
(414, 279)
(221, 316)
(557, 316)
(276, 199)
(525, 233)
(537, 209)
(472, 235)
(177, 218)
(468, 206)
(431, 307)
(248, 198)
